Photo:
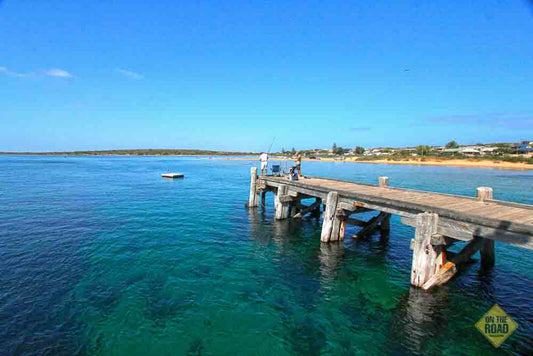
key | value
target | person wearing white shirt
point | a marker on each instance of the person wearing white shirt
(264, 163)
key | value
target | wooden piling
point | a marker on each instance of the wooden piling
(427, 259)
(385, 223)
(337, 231)
(263, 199)
(316, 212)
(488, 254)
(384, 182)
(281, 204)
(253, 200)
(330, 215)
(484, 193)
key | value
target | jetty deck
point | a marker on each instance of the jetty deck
(440, 219)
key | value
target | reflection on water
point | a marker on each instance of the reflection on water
(420, 317)
(330, 258)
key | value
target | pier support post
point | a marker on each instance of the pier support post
(384, 182)
(427, 259)
(385, 223)
(487, 253)
(484, 193)
(263, 199)
(253, 200)
(294, 210)
(331, 224)
(282, 207)
(316, 212)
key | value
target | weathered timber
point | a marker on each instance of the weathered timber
(440, 219)
(253, 200)
(488, 254)
(356, 222)
(425, 255)
(316, 212)
(330, 215)
(484, 193)
(295, 205)
(404, 202)
(263, 199)
(352, 207)
(293, 209)
(384, 182)
(286, 198)
(385, 223)
(442, 276)
(308, 209)
(282, 206)
(371, 226)
(465, 232)
(339, 226)
(452, 266)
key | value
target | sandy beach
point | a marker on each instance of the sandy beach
(467, 163)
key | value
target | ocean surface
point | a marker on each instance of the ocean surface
(100, 255)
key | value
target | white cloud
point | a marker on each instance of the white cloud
(129, 73)
(60, 73)
(10, 73)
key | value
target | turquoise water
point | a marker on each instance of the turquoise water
(101, 255)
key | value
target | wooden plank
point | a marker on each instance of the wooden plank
(371, 226)
(451, 267)
(465, 231)
(351, 208)
(311, 187)
(310, 208)
(387, 209)
(293, 194)
(285, 198)
(356, 222)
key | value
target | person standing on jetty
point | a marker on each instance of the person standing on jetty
(298, 162)
(263, 157)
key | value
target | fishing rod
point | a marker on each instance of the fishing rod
(271, 144)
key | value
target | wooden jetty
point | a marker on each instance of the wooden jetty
(440, 219)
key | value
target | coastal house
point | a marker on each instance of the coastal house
(467, 151)
(451, 151)
(378, 152)
(489, 150)
(525, 147)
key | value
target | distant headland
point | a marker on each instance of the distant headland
(135, 152)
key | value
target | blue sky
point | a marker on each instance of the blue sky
(235, 74)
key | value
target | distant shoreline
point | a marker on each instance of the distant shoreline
(428, 161)
(466, 163)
